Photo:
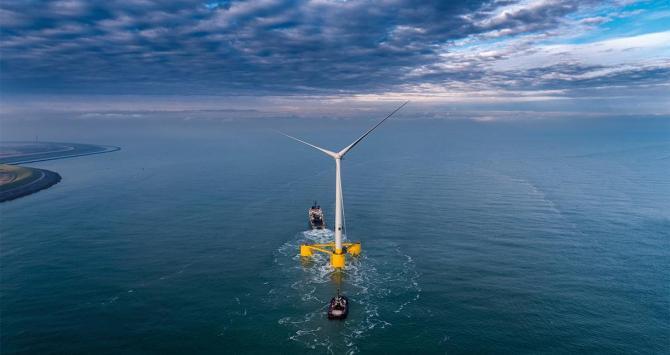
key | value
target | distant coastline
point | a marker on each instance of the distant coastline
(18, 181)
(32, 152)
(24, 181)
(109, 149)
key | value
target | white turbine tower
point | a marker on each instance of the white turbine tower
(337, 255)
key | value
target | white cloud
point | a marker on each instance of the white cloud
(637, 50)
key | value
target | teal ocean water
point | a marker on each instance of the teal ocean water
(478, 237)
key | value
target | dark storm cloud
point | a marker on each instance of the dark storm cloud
(263, 46)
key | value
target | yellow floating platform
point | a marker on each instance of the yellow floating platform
(337, 259)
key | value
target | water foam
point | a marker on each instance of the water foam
(368, 280)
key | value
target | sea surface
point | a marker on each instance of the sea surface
(521, 237)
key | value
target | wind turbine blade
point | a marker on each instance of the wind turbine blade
(328, 152)
(348, 148)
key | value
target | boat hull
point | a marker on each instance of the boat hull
(316, 218)
(338, 312)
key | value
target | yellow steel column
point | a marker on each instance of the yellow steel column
(337, 260)
(305, 250)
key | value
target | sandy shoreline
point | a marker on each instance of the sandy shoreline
(18, 181)
(36, 180)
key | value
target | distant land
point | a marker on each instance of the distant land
(17, 181)
(31, 152)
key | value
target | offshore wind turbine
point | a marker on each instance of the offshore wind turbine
(337, 259)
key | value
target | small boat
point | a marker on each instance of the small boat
(338, 307)
(316, 219)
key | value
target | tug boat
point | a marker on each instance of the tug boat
(316, 218)
(338, 307)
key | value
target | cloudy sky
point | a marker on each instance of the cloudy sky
(270, 57)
